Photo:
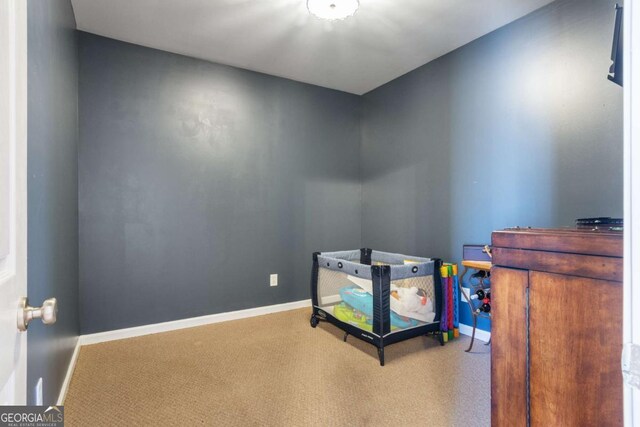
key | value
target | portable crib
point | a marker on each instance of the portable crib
(353, 291)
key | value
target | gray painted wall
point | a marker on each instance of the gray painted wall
(520, 127)
(198, 180)
(52, 189)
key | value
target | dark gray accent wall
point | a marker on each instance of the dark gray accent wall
(520, 127)
(52, 190)
(198, 180)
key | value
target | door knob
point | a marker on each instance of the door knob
(48, 312)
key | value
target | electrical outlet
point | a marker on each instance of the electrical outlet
(38, 391)
(273, 280)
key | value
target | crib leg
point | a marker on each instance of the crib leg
(346, 334)
(313, 321)
(381, 355)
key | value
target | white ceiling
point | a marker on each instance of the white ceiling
(383, 40)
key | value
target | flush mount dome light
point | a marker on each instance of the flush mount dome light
(332, 9)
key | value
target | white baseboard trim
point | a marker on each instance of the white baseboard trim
(189, 323)
(67, 377)
(329, 300)
(480, 334)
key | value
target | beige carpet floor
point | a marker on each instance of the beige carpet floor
(276, 370)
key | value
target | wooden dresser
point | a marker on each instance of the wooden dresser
(556, 328)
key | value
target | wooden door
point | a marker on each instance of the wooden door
(509, 347)
(575, 341)
(13, 198)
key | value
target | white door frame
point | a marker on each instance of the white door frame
(631, 74)
(13, 222)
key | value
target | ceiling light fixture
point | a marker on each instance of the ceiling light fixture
(332, 9)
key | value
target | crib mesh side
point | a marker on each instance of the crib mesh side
(329, 284)
(334, 285)
(356, 308)
(421, 282)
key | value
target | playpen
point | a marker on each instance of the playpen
(378, 297)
